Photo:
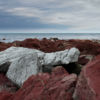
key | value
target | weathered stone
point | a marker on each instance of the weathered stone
(24, 60)
(5, 95)
(24, 67)
(84, 59)
(61, 57)
(6, 84)
(88, 85)
(14, 53)
(48, 87)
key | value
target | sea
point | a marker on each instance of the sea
(10, 37)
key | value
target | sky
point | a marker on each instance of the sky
(50, 16)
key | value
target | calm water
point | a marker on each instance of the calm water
(21, 36)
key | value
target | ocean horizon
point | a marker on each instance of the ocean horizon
(10, 37)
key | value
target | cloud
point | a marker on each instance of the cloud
(77, 15)
(25, 11)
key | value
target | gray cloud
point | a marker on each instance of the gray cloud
(79, 15)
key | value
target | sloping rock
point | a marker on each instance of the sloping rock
(84, 59)
(88, 85)
(14, 53)
(4, 46)
(4, 95)
(61, 57)
(48, 87)
(53, 45)
(24, 67)
(6, 84)
(24, 59)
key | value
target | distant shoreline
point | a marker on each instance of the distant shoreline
(11, 37)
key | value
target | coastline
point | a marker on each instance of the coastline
(45, 44)
(11, 37)
(67, 78)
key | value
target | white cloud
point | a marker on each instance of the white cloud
(25, 11)
(78, 14)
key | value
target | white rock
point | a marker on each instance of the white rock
(25, 62)
(24, 67)
(13, 53)
(61, 57)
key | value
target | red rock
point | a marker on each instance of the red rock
(52, 45)
(83, 60)
(6, 84)
(59, 71)
(5, 95)
(48, 87)
(4, 46)
(86, 46)
(88, 85)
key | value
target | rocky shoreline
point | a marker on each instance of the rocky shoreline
(50, 69)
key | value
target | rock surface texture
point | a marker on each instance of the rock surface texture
(24, 67)
(88, 85)
(6, 84)
(13, 53)
(53, 45)
(28, 69)
(25, 62)
(59, 85)
(86, 47)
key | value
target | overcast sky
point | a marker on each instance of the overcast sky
(50, 15)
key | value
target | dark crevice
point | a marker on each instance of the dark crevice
(4, 67)
(46, 69)
(70, 68)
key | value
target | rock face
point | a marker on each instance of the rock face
(4, 95)
(24, 61)
(86, 47)
(57, 86)
(4, 46)
(88, 85)
(6, 84)
(45, 45)
(14, 53)
(61, 57)
(24, 67)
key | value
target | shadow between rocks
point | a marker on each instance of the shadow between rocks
(73, 68)
(70, 68)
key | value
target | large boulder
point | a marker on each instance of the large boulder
(46, 59)
(24, 67)
(13, 53)
(48, 87)
(61, 57)
(25, 62)
(88, 85)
